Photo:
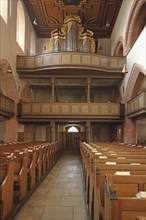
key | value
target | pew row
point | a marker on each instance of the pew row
(110, 158)
(6, 186)
(121, 202)
(30, 166)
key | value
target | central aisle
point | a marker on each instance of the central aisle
(60, 196)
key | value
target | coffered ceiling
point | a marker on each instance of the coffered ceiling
(98, 16)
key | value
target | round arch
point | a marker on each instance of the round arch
(26, 95)
(135, 81)
(136, 23)
(119, 47)
(7, 81)
(67, 127)
(9, 89)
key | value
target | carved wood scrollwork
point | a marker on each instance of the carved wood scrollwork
(72, 37)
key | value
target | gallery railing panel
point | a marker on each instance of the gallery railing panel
(137, 106)
(70, 110)
(6, 106)
(66, 59)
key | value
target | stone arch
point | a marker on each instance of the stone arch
(135, 81)
(9, 89)
(7, 81)
(134, 85)
(138, 85)
(136, 23)
(119, 49)
(26, 95)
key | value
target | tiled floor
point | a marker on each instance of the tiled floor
(60, 196)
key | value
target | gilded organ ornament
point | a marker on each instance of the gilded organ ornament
(72, 37)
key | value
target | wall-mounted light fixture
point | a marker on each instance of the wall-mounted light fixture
(35, 22)
(100, 47)
(125, 70)
(44, 47)
(9, 71)
(107, 24)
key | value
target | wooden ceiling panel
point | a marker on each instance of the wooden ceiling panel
(94, 14)
(91, 15)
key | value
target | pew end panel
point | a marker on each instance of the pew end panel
(20, 175)
(122, 208)
(6, 189)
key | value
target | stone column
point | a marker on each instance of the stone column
(88, 130)
(53, 89)
(52, 123)
(88, 89)
(57, 133)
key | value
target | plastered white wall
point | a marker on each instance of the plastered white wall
(137, 54)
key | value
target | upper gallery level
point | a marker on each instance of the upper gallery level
(70, 63)
(72, 51)
(39, 111)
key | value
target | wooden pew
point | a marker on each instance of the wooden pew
(112, 154)
(48, 146)
(6, 187)
(101, 171)
(31, 167)
(31, 163)
(39, 162)
(20, 174)
(44, 159)
(96, 182)
(88, 158)
(141, 218)
(121, 202)
(89, 154)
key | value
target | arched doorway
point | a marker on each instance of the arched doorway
(72, 136)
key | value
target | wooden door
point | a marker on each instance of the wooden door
(71, 140)
(20, 136)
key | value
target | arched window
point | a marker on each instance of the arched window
(73, 129)
(4, 10)
(20, 35)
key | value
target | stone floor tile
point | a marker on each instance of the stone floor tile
(72, 201)
(80, 213)
(27, 218)
(60, 196)
(48, 200)
(74, 180)
(30, 212)
(70, 186)
(60, 179)
(78, 175)
(77, 192)
(60, 192)
(73, 171)
(57, 213)
(66, 175)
